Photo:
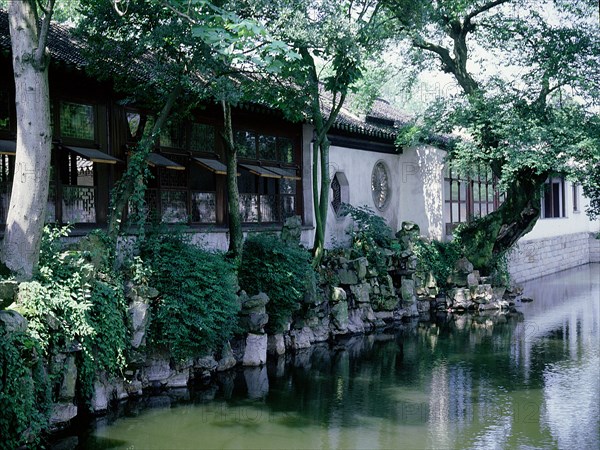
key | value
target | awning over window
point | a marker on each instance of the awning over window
(8, 147)
(290, 174)
(156, 160)
(260, 171)
(94, 155)
(213, 165)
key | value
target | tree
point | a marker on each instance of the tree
(530, 119)
(334, 39)
(29, 25)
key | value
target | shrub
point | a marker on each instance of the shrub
(24, 393)
(278, 269)
(72, 303)
(438, 258)
(196, 310)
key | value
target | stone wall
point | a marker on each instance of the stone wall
(539, 257)
(594, 248)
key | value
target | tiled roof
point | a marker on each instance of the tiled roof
(65, 48)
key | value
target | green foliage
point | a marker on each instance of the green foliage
(438, 258)
(73, 304)
(24, 393)
(197, 307)
(278, 269)
(371, 236)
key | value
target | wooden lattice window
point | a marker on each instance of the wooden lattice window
(77, 121)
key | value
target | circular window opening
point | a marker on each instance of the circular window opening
(380, 185)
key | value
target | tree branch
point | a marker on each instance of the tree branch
(40, 53)
(482, 9)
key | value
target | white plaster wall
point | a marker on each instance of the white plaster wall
(416, 188)
(574, 222)
(421, 189)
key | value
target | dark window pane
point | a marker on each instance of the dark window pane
(247, 182)
(249, 207)
(77, 121)
(4, 111)
(556, 200)
(202, 138)
(174, 209)
(288, 206)
(245, 142)
(285, 150)
(203, 207)
(267, 148)
(171, 135)
(268, 208)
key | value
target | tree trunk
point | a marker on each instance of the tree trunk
(27, 210)
(320, 193)
(487, 239)
(233, 195)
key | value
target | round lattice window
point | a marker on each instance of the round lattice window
(380, 185)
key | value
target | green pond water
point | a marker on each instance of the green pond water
(523, 380)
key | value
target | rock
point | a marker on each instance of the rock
(423, 306)
(139, 316)
(407, 290)
(338, 294)
(473, 278)
(67, 388)
(157, 369)
(339, 317)
(256, 303)
(464, 266)
(227, 360)
(133, 388)
(348, 277)
(361, 292)
(355, 321)
(321, 332)
(206, 363)
(387, 316)
(276, 344)
(498, 293)
(62, 413)
(311, 295)
(8, 292)
(384, 303)
(360, 265)
(292, 230)
(178, 379)
(300, 339)
(459, 298)
(482, 293)
(254, 322)
(12, 322)
(255, 353)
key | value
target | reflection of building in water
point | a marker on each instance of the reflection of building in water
(451, 402)
(567, 311)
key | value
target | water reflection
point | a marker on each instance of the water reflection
(523, 380)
